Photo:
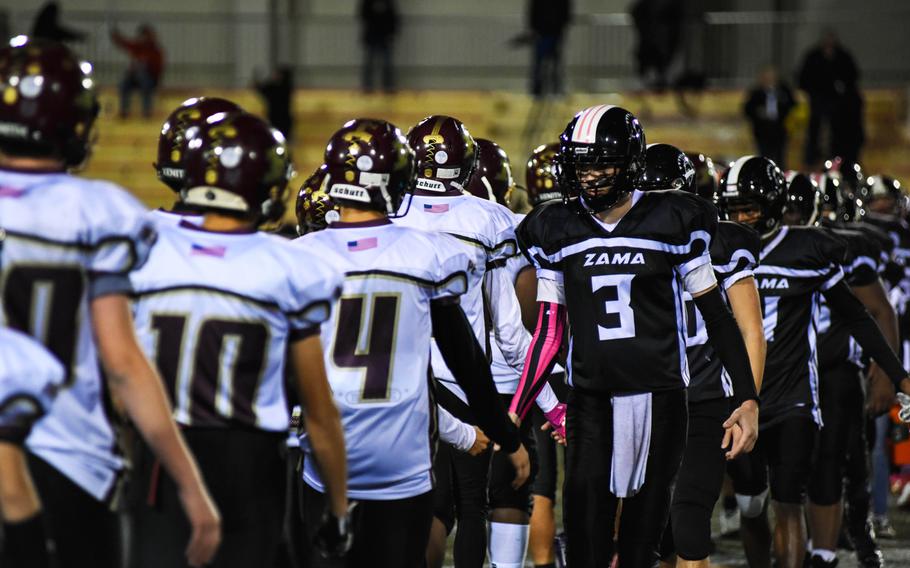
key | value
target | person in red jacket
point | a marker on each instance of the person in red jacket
(144, 71)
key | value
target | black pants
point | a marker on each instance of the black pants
(84, 530)
(501, 493)
(590, 507)
(842, 400)
(386, 533)
(698, 485)
(245, 474)
(460, 493)
(782, 458)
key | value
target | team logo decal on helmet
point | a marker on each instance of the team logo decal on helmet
(601, 156)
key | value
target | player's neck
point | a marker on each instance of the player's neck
(614, 214)
(354, 215)
(225, 223)
(26, 164)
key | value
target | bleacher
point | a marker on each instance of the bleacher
(127, 148)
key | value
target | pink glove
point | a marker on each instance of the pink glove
(557, 418)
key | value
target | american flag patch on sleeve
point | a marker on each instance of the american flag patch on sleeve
(202, 250)
(363, 244)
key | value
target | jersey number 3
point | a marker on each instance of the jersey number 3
(618, 319)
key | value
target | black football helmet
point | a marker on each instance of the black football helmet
(754, 182)
(315, 209)
(492, 178)
(803, 199)
(369, 164)
(667, 167)
(191, 114)
(446, 154)
(49, 104)
(839, 204)
(886, 195)
(540, 174)
(237, 163)
(598, 138)
(705, 175)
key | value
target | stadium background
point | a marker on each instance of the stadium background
(455, 58)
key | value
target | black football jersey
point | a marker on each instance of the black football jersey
(623, 287)
(862, 260)
(795, 266)
(734, 254)
(899, 231)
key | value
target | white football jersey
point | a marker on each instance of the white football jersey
(29, 379)
(378, 350)
(68, 238)
(485, 231)
(506, 376)
(216, 311)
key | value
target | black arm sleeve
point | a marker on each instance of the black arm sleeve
(727, 340)
(465, 358)
(864, 329)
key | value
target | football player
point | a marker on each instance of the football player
(613, 262)
(734, 255)
(446, 154)
(65, 282)
(510, 509)
(841, 393)
(29, 380)
(401, 288)
(176, 131)
(797, 266)
(224, 310)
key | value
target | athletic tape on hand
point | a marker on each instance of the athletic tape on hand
(904, 413)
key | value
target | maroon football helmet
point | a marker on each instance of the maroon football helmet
(172, 141)
(705, 175)
(492, 177)
(237, 163)
(446, 154)
(315, 209)
(369, 164)
(540, 174)
(49, 104)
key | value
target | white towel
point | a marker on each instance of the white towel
(631, 443)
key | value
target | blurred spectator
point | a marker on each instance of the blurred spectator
(379, 19)
(278, 92)
(144, 71)
(829, 75)
(47, 25)
(549, 19)
(659, 27)
(767, 106)
(847, 131)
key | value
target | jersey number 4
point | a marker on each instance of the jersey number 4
(380, 329)
(618, 319)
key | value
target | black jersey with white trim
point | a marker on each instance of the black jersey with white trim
(795, 266)
(862, 260)
(899, 231)
(734, 254)
(623, 287)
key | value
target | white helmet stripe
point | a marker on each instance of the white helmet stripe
(733, 175)
(586, 128)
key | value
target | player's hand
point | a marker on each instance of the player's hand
(481, 443)
(557, 418)
(522, 464)
(560, 438)
(334, 537)
(742, 441)
(515, 419)
(880, 397)
(205, 523)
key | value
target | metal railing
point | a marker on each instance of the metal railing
(222, 50)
